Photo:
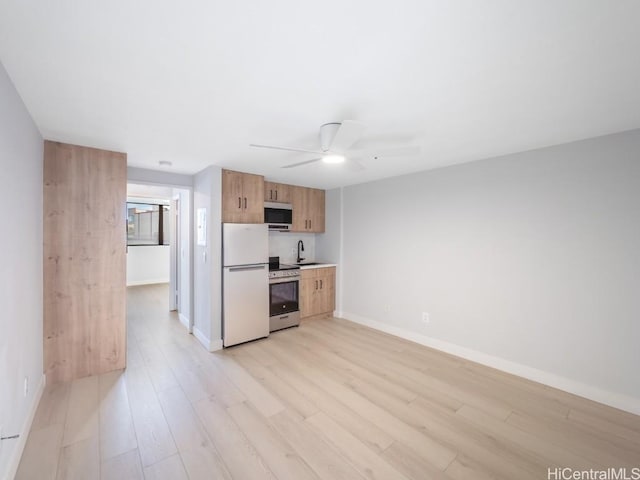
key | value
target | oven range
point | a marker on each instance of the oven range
(284, 288)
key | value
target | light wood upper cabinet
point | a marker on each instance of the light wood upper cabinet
(277, 192)
(317, 291)
(315, 209)
(232, 201)
(84, 290)
(299, 205)
(242, 197)
(253, 191)
(308, 209)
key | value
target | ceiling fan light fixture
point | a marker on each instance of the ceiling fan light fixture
(333, 158)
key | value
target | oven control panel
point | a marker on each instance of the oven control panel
(284, 273)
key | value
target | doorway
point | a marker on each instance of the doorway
(158, 244)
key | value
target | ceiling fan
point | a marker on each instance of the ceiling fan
(336, 138)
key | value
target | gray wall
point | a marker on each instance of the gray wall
(21, 148)
(532, 258)
(185, 247)
(207, 261)
(329, 244)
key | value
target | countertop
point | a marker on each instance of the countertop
(319, 265)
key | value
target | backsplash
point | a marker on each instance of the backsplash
(285, 246)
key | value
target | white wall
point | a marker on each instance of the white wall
(141, 192)
(158, 177)
(285, 246)
(329, 244)
(184, 251)
(21, 150)
(207, 261)
(529, 262)
(148, 264)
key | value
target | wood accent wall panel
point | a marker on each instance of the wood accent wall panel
(84, 261)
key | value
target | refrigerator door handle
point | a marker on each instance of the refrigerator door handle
(244, 269)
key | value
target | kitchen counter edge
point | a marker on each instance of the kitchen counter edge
(320, 265)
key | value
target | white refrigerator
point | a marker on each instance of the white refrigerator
(245, 282)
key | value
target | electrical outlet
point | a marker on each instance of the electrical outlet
(26, 386)
(425, 318)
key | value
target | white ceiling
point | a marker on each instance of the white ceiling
(195, 82)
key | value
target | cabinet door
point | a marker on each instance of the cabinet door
(328, 289)
(270, 189)
(232, 201)
(277, 192)
(316, 210)
(307, 293)
(253, 198)
(299, 205)
(283, 193)
(326, 292)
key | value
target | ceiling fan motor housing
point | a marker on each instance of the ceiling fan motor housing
(327, 134)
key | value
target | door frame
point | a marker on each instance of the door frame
(174, 257)
(184, 306)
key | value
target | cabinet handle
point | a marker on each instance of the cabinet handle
(309, 224)
(316, 284)
(305, 224)
(239, 202)
(276, 194)
(270, 194)
(245, 203)
(320, 284)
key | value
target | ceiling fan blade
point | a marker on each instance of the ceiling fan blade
(349, 133)
(302, 163)
(289, 149)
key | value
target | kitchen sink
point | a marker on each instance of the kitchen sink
(309, 263)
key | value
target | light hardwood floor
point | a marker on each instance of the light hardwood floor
(328, 400)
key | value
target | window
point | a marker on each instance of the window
(145, 224)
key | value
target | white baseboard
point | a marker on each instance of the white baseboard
(216, 345)
(14, 461)
(184, 321)
(613, 399)
(210, 345)
(135, 283)
(201, 337)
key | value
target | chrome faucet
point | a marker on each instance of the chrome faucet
(300, 249)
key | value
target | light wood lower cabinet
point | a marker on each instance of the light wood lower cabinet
(84, 261)
(317, 291)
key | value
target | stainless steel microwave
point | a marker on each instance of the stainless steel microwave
(278, 216)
